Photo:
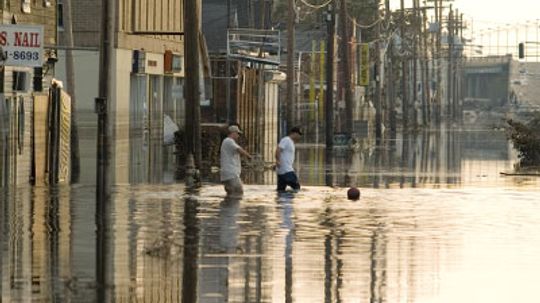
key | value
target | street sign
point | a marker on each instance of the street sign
(22, 45)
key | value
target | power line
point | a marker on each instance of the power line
(316, 6)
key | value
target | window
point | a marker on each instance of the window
(60, 14)
(20, 81)
(26, 7)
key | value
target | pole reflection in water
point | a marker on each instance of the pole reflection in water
(329, 167)
(377, 258)
(102, 247)
(333, 264)
(191, 250)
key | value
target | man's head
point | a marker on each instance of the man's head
(234, 132)
(295, 134)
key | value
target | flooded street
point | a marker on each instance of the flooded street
(436, 223)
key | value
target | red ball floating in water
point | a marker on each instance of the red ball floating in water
(353, 194)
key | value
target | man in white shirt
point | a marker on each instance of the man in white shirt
(285, 159)
(231, 167)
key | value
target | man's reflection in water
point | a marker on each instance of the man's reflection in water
(285, 201)
(228, 232)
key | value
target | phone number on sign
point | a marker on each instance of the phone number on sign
(22, 55)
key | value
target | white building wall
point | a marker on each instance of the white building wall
(120, 108)
(86, 90)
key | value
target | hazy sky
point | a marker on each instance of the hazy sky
(496, 12)
(488, 13)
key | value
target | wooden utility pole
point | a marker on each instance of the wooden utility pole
(391, 91)
(416, 38)
(378, 89)
(228, 68)
(329, 105)
(457, 79)
(459, 74)
(450, 77)
(290, 63)
(346, 68)
(70, 81)
(404, 73)
(192, 29)
(437, 60)
(103, 101)
(426, 82)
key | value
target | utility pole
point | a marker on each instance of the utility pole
(416, 38)
(450, 77)
(103, 101)
(329, 105)
(192, 26)
(404, 73)
(378, 89)
(70, 81)
(346, 68)
(228, 68)
(290, 63)
(458, 69)
(437, 61)
(426, 112)
(391, 91)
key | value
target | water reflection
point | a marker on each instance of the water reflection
(427, 159)
(162, 243)
(407, 240)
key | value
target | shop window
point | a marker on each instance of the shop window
(20, 81)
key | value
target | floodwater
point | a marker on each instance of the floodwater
(436, 223)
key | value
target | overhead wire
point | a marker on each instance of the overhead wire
(316, 6)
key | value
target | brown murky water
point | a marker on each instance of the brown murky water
(436, 223)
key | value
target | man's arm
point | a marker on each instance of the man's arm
(243, 152)
(278, 155)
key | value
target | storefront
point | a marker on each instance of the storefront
(156, 90)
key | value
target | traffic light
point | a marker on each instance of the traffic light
(521, 50)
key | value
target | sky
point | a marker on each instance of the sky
(490, 13)
(495, 22)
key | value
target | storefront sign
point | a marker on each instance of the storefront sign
(173, 63)
(22, 45)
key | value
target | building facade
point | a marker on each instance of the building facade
(147, 83)
(18, 88)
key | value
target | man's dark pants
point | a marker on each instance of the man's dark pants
(289, 179)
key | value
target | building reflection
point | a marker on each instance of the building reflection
(429, 158)
(36, 263)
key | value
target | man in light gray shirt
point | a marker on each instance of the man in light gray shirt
(231, 167)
